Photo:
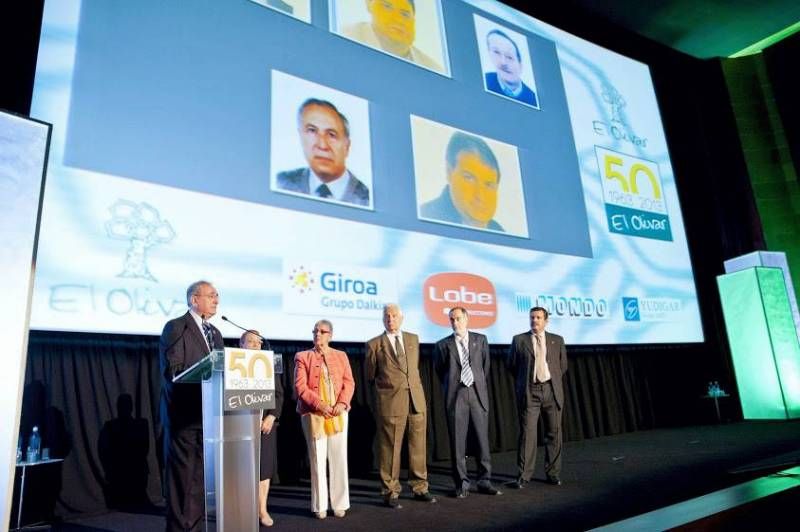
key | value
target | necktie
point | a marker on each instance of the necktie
(540, 371)
(400, 352)
(323, 191)
(208, 334)
(466, 371)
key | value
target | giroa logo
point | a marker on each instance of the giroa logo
(302, 280)
(630, 307)
(336, 282)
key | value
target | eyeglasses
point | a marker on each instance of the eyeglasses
(212, 296)
(320, 331)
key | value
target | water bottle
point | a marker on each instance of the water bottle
(34, 445)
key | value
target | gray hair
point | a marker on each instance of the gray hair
(193, 288)
(324, 322)
(392, 306)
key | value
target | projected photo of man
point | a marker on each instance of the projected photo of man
(324, 135)
(408, 29)
(473, 179)
(504, 54)
(299, 9)
(470, 194)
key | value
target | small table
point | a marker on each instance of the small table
(716, 397)
(25, 465)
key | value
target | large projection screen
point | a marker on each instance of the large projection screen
(489, 160)
(23, 156)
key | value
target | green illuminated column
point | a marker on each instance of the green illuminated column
(764, 343)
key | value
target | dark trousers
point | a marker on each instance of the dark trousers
(467, 408)
(539, 400)
(184, 480)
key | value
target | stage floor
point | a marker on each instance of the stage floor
(604, 480)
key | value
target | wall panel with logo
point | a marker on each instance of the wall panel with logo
(485, 159)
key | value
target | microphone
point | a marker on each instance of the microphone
(251, 331)
(278, 363)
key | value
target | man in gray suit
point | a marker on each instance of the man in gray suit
(462, 362)
(325, 137)
(538, 361)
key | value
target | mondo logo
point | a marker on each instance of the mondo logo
(443, 291)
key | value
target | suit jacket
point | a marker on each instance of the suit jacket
(442, 209)
(182, 344)
(447, 363)
(520, 362)
(392, 382)
(307, 369)
(297, 180)
(526, 96)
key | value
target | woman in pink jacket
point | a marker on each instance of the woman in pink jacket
(323, 382)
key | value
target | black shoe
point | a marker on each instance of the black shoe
(553, 481)
(392, 502)
(425, 497)
(462, 493)
(489, 490)
(518, 484)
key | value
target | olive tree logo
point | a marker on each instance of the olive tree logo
(141, 225)
(617, 102)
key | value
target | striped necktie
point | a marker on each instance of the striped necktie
(467, 378)
(207, 332)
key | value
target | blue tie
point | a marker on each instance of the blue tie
(207, 332)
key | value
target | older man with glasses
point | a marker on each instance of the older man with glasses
(185, 341)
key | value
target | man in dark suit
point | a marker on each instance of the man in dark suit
(538, 361)
(325, 136)
(393, 367)
(462, 362)
(507, 60)
(185, 341)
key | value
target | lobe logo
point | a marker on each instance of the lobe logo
(443, 291)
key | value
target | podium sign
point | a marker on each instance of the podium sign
(249, 379)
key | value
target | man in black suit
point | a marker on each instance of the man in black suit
(185, 341)
(538, 361)
(325, 137)
(462, 362)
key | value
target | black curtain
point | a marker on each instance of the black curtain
(95, 398)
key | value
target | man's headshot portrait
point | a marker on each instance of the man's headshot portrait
(474, 181)
(505, 62)
(299, 9)
(408, 29)
(323, 132)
